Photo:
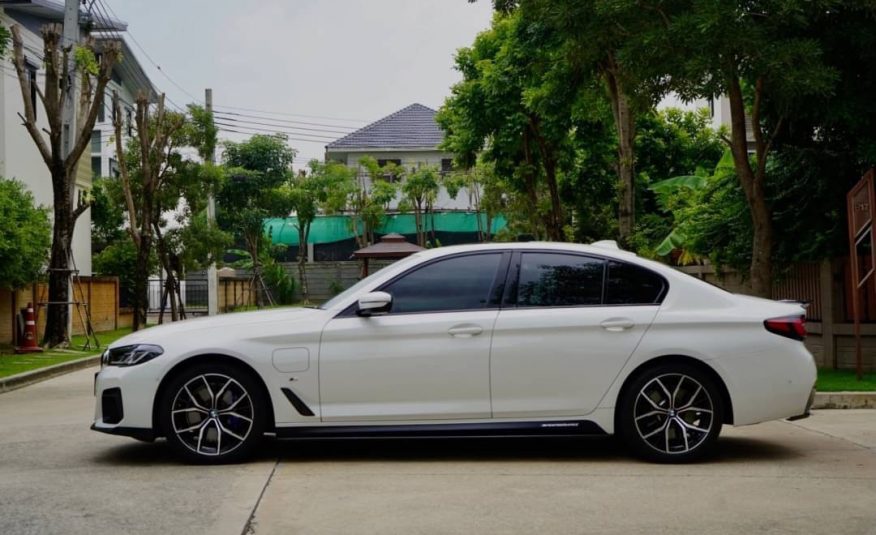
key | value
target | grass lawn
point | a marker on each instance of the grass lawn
(11, 364)
(844, 380)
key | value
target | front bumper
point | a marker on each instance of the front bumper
(146, 435)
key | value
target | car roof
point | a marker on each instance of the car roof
(605, 248)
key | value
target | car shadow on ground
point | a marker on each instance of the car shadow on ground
(587, 450)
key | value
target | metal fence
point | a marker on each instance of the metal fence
(193, 293)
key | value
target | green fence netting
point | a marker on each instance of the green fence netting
(335, 228)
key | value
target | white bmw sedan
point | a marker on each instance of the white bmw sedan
(482, 340)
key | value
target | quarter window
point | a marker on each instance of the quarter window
(458, 283)
(550, 280)
(627, 284)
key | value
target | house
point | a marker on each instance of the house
(19, 157)
(129, 80)
(409, 138)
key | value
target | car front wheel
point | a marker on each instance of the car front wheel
(671, 413)
(213, 414)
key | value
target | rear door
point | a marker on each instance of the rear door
(569, 324)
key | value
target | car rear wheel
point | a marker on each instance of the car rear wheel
(671, 413)
(213, 414)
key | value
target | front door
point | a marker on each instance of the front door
(428, 358)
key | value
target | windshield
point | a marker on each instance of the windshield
(341, 297)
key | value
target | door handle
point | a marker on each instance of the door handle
(617, 325)
(465, 331)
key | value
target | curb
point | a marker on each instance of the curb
(21, 380)
(845, 400)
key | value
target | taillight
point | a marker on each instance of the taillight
(788, 326)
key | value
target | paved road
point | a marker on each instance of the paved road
(56, 476)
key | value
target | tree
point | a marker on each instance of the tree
(370, 197)
(25, 236)
(761, 56)
(513, 104)
(325, 189)
(255, 170)
(61, 161)
(143, 171)
(420, 189)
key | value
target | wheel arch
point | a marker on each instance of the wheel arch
(210, 358)
(727, 417)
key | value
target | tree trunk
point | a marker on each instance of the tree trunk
(624, 123)
(761, 269)
(556, 219)
(141, 283)
(58, 311)
(302, 259)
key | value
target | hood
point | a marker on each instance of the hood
(234, 319)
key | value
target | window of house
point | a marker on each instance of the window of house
(552, 280)
(95, 142)
(114, 168)
(95, 166)
(101, 112)
(129, 121)
(446, 165)
(392, 177)
(457, 283)
(32, 81)
(626, 284)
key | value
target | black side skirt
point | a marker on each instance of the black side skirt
(491, 429)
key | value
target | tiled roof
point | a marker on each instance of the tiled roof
(413, 126)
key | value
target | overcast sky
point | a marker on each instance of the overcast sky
(341, 62)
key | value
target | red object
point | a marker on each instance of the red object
(29, 344)
(790, 326)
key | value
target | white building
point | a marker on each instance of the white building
(409, 138)
(19, 157)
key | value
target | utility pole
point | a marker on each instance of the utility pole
(212, 280)
(68, 117)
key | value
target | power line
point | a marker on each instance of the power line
(256, 129)
(291, 114)
(286, 121)
(149, 58)
(232, 130)
(232, 119)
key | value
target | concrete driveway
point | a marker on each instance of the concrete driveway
(56, 476)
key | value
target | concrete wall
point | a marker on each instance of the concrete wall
(409, 160)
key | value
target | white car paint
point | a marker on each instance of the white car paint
(482, 366)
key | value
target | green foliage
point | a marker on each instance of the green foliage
(25, 235)
(5, 36)
(280, 283)
(107, 213)
(369, 202)
(119, 259)
(85, 60)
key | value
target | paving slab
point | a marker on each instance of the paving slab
(57, 476)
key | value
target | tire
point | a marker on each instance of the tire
(671, 413)
(213, 414)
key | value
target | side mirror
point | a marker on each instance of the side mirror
(374, 303)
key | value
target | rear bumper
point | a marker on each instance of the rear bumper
(809, 403)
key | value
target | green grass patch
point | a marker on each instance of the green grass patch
(12, 364)
(844, 381)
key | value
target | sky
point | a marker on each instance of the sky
(336, 64)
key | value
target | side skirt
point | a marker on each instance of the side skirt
(492, 429)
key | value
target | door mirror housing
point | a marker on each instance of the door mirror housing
(374, 303)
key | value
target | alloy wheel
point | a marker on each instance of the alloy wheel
(212, 414)
(674, 413)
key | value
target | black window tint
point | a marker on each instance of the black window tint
(550, 280)
(459, 283)
(627, 284)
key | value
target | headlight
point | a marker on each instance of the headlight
(130, 355)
